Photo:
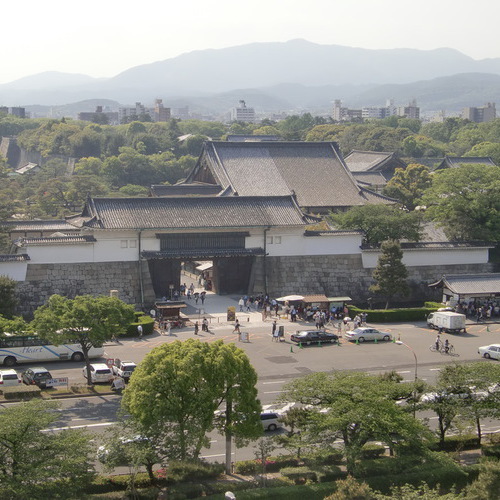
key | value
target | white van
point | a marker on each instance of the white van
(270, 421)
(447, 321)
(9, 377)
(99, 372)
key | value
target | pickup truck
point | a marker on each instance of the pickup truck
(123, 369)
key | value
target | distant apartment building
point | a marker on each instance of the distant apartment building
(14, 111)
(182, 113)
(242, 113)
(161, 114)
(341, 113)
(410, 111)
(99, 116)
(486, 113)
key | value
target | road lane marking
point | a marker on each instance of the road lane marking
(434, 369)
(274, 382)
(103, 424)
(273, 392)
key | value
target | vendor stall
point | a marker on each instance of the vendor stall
(170, 311)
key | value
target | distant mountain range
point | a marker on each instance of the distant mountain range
(291, 76)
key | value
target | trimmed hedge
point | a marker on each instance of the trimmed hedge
(394, 315)
(491, 450)
(182, 472)
(455, 443)
(324, 457)
(147, 323)
(317, 474)
(372, 451)
(21, 391)
(274, 464)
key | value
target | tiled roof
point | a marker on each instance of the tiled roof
(37, 225)
(251, 138)
(334, 232)
(370, 178)
(365, 161)
(471, 284)
(190, 212)
(313, 171)
(373, 198)
(14, 257)
(68, 239)
(194, 189)
(457, 161)
(194, 253)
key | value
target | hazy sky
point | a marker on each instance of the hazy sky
(101, 38)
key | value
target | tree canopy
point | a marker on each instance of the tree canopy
(390, 275)
(466, 202)
(408, 185)
(85, 320)
(41, 465)
(176, 389)
(379, 223)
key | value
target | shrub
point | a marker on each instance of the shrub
(147, 323)
(323, 457)
(246, 467)
(456, 443)
(491, 450)
(21, 392)
(372, 450)
(393, 315)
(181, 472)
(299, 474)
(281, 461)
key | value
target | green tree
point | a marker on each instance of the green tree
(358, 410)
(491, 149)
(476, 383)
(391, 274)
(41, 465)
(379, 223)
(85, 320)
(466, 202)
(487, 485)
(177, 388)
(351, 489)
(408, 185)
(8, 300)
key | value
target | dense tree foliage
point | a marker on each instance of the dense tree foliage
(85, 320)
(390, 275)
(408, 185)
(41, 465)
(7, 296)
(379, 223)
(466, 202)
(358, 410)
(176, 390)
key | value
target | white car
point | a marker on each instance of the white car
(490, 351)
(365, 333)
(99, 372)
(9, 377)
(270, 421)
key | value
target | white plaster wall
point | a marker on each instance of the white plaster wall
(294, 243)
(14, 270)
(433, 257)
(49, 254)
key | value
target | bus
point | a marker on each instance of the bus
(32, 349)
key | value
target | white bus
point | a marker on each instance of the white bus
(31, 349)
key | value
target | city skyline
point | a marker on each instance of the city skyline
(102, 39)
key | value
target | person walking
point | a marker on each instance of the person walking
(204, 325)
(274, 332)
(169, 328)
(241, 303)
(139, 330)
(196, 328)
(203, 296)
(237, 329)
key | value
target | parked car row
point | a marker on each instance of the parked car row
(362, 334)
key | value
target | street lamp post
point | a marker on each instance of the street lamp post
(399, 342)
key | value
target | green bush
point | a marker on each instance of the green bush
(372, 451)
(299, 474)
(330, 473)
(393, 315)
(434, 305)
(323, 457)
(147, 323)
(456, 443)
(185, 491)
(21, 391)
(182, 472)
(491, 450)
(246, 467)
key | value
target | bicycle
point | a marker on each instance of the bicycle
(436, 347)
(450, 350)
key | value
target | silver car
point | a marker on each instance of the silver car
(365, 333)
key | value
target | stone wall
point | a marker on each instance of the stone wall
(69, 280)
(340, 275)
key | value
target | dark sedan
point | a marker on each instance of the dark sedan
(309, 337)
(36, 376)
